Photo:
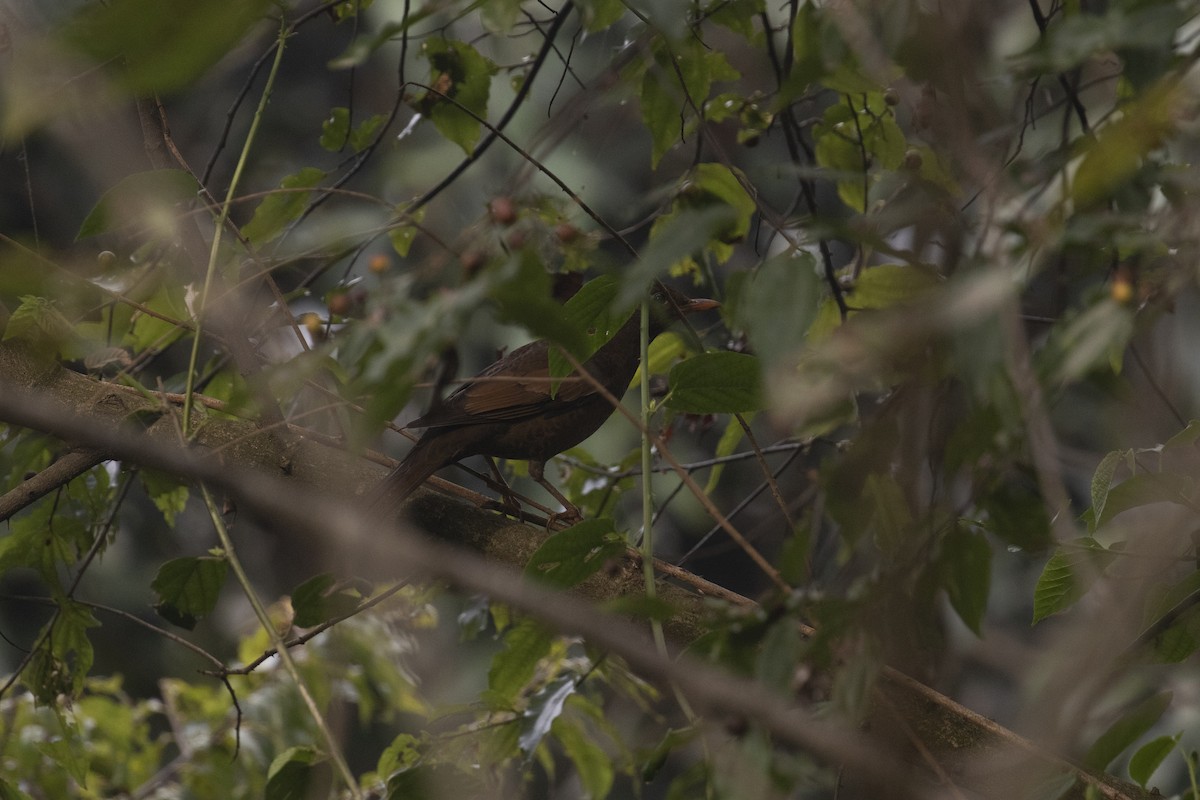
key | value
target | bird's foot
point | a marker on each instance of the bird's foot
(569, 516)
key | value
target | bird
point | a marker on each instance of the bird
(507, 410)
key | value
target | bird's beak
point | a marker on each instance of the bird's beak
(695, 304)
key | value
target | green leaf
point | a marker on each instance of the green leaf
(458, 71)
(1146, 489)
(1017, 515)
(157, 332)
(60, 665)
(527, 299)
(781, 651)
(365, 132)
(280, 208)
(168, 494)
(730, 438)
(1067, 575)
(10, 792)
(1101, 481)
(313, 603)
(600, 14)
(544, 708)
(661, 112)
(525, 644)
(808, 45)
(966, 570)
(291, 775)
(891, 515)
(593, 765)
(1132, 725)
(677, 239)
(717, 383)
(569, 557)
(591, 311)
(143, 199)
(1149, 756)
(779, 305)
(335, 130)
(499, 16)
(155, 47)
(39, 323)
(188, 588)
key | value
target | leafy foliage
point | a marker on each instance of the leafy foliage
(948, 390)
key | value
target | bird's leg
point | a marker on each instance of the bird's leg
(509, 504)
(570, 513)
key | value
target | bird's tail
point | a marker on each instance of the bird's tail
(427, 457)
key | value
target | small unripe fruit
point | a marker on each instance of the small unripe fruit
(379, 263)
(891, 97)
(503, 211)
(472, 261)
(340, 304)
(913, 159)
(106, 258)
(566, 232)
(312, 322)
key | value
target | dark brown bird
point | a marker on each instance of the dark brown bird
(506, 411)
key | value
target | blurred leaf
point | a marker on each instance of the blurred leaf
(499, 16)
(1079, 36)
(569, 557)
(544, 708)
(639, 606)
(717, 383)
(892, 518)
(780, 656)
(10, 792)
(162, 46)
(458, 71)
(1147, 489)
(1132, 725)
(1149, 756)
(712, 186)
(525, 644)
(593, 765)
(681, 236)
(143, 199)
(1068, 575)
(1017, 514)
(966, 574)
(779, 306)
(1119, 148)
(314, 604)
(726, 445)
(404, 232)
(280, 208)
(363, 47)
(600, 14)
(739, 16)
(188, 588)
(527, 299)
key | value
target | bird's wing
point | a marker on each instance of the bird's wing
(516, 387)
